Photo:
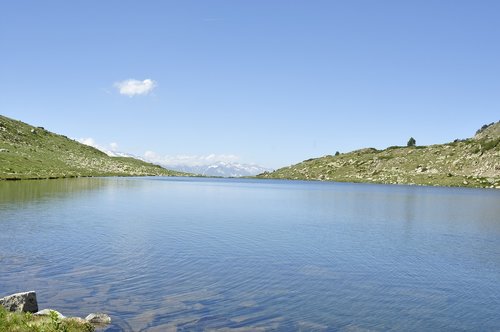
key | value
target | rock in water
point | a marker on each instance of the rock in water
(25, 302)
(98, 318)
(46, 312)
(78, 320)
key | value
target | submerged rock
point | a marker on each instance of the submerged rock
(23, 302)
(98, 318)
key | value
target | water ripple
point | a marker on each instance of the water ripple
(222, 255)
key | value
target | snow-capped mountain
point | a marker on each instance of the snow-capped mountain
(224, 169)
(199, 166)
(220, 168)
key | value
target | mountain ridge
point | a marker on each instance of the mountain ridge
(472, 162)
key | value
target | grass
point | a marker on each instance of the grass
(28, 152)
(27, 322)
(488, 145)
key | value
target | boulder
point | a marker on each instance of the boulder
(78, 320)
(24, 302)
(46, 312)
(98, 318)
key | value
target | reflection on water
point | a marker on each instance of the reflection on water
(247, 255)
(17, 192)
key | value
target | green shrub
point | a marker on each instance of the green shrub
(488, 145)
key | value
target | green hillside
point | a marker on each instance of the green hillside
(474, 162)
(28, 152)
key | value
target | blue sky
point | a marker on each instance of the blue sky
(267, 82)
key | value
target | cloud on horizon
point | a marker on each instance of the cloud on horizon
(189, 160)
(132, 87)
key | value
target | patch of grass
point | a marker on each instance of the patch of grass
(488, 145)
(27, 322)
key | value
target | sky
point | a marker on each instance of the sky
(263, 81)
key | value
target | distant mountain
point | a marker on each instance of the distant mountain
(28, 152)
(473, 162)
(223, 169)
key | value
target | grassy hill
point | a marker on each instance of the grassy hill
(473, 162)
(28, 152)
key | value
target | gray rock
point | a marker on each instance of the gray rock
(46, 312)
(25, 302)
(78, 320)
(98, 318)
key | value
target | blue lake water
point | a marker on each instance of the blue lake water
(174, 254)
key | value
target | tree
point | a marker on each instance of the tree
(411, 142)
(337, 153)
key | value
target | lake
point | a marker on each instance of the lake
(184, 254)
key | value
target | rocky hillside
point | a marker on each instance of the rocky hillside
(28, 152)
(473, 162)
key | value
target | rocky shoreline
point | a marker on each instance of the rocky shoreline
(26, 302)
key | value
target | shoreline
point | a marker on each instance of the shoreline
(468, 186)
(20, 312)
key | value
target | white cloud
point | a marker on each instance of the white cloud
(189, 160)
(88, 141)
(109, 150)
(133, 87)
